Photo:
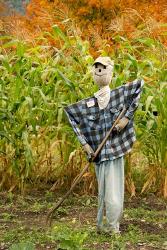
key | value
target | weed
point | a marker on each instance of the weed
(69, 239)
(22, 246)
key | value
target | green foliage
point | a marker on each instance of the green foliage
(34, 90)
(68, 239)
(36, 84)
(154, 126)
(22, 246)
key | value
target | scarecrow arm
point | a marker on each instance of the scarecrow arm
(74, 116)
(132, 96)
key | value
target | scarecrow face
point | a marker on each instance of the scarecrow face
(102, 74)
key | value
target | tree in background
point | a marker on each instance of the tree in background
(95, 20)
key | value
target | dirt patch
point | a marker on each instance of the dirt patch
(151, 202)
(145, 227)
(13, 216)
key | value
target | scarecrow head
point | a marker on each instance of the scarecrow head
(102, 71)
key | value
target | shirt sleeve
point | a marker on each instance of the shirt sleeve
(132, 93)
(74, 115)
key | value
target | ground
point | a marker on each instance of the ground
(23, 223)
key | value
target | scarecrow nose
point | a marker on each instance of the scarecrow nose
(99, 70)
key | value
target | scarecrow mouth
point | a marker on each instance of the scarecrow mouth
(100, 74)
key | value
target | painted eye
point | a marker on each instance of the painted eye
(104, 66)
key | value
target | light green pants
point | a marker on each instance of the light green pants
(110, 177)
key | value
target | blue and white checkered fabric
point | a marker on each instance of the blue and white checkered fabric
(91, 124)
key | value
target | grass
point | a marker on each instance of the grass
(23, 223)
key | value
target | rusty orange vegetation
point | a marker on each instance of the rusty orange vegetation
(96, 20)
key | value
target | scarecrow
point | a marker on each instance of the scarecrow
(91, 118)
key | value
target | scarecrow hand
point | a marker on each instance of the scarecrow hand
(120, 125)
(89, 151)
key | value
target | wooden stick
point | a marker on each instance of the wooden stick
(79, 177)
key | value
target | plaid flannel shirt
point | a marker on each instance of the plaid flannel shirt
(91, 124)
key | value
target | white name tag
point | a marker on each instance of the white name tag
(90, 103)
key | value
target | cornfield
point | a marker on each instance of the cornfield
(37, 144)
